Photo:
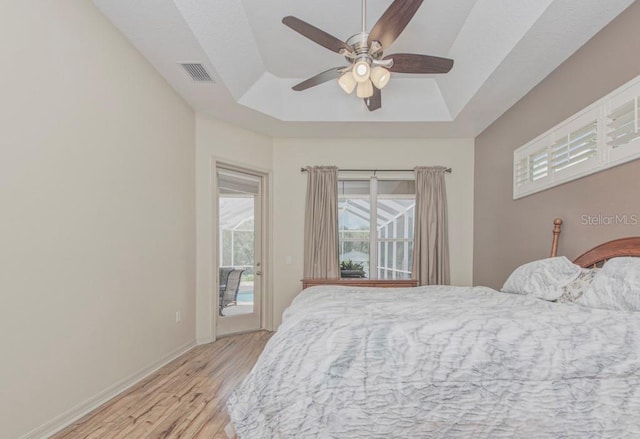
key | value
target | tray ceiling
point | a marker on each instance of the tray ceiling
(501, 49)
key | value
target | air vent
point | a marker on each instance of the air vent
(196, 72)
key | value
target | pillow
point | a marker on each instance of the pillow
(544, 279)
(576, 289)
(616, 286)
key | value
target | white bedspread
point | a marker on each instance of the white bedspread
(442, 362)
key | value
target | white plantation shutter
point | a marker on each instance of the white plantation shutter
(521, 173)
(602, 135)
(538, 165)
(623, 125)
(531, 166)
(558, 156)
(575, 148)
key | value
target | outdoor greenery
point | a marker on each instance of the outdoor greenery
(350, 265)
(242, 248)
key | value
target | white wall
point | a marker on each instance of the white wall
(289, 191)
(218, 141)
(282, 159)
(99, 209)
(97, 212)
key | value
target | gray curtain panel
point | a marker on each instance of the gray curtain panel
(321, 224)
(431, 235)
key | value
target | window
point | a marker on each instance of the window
(603, 135)
(375, 223)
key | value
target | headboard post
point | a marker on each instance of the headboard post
(557, 223)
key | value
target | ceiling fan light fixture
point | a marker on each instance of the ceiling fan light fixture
(380, 77)
(347, 82)
(361, 71)
(365, 89)
(368, 70)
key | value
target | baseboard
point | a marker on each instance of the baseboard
(64, 420)
(204, 340)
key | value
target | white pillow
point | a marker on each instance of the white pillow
(616, 286)
(544, 278)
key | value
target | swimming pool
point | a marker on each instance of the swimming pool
(245, 297)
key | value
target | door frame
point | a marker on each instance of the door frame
(266, 312)
(253, 321)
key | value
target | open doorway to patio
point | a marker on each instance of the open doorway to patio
(240, 224)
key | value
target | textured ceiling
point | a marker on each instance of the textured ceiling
(501, 48)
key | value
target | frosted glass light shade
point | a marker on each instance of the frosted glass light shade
(347, 82)
(380, 77)
(361, 71)
(365, 89)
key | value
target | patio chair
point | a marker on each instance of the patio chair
(230, 295)
(223, 278)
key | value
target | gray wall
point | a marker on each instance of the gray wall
(510, 232)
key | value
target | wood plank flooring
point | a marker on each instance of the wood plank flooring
(185, 399)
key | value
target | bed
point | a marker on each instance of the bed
(446, 362)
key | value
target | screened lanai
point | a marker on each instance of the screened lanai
(236, 229)
(236, 242)
(393, 251)
(392, 247)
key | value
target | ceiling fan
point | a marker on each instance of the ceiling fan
(369, 71)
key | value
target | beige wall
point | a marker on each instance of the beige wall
(508, 233)
(290, 189)
(97, 212)
(282, 159)
(219, 141)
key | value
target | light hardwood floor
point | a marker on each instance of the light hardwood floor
(184, 399)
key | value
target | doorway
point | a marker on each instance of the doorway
(240, 231)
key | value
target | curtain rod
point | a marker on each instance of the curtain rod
(448, 170)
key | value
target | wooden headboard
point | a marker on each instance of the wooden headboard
(601, 253)
(612, 249)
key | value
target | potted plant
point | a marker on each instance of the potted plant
(350, 269)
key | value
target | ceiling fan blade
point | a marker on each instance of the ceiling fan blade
(393, 21)
(316, 35)
(375, 101)
(320, 78)
(413, 63)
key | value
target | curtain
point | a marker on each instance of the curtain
(321, 224)
(431, 237)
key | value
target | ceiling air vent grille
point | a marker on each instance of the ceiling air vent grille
(196, 72)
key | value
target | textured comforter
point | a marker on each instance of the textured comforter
(442, 362)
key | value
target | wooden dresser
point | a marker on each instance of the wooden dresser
(357, 282)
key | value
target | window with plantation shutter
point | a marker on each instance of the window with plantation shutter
(622, 120)
(605, 134)
(622, 124)
(575, 148)
(533, 167)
